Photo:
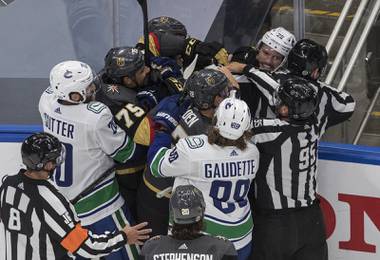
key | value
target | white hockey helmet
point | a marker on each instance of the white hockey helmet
(233, 118)
(279, 39)
(71, 77)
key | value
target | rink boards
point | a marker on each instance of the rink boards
(349, 186)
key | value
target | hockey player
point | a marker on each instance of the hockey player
(93, 141)
(40, 223)
(125, 66)
(307, 59)
(168, 38)
(129, 91)
(180, 116)
(270, 53)
(288, 220)
(222, 165)
(187, 209)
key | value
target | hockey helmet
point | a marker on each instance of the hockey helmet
(233, 118)
(187, 205)
(70, 77)
(279, 39)
(306, 56)
(299, 96)
(167, 24)
(123, 62)
(40, 148)
(204, 85)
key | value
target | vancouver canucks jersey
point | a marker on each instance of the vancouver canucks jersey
(223, 174)
(92, 140)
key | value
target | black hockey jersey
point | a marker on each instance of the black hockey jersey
(202, 248)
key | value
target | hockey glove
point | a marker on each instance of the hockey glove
(174, 85)
(168, 114)
(147, 99)
(166, 66)
(208, 53)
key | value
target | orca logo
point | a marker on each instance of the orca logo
(228, 105)
(68, 74)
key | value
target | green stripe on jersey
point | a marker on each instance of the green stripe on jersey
(124, 154)
(154, 166)
(97, 198)
(231, 232)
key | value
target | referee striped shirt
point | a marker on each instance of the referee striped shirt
(288, 152)
(40, 223)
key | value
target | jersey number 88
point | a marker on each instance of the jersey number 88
(226, 193)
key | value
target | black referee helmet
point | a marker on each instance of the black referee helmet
(41, 148)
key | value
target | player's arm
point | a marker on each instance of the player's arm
(167, 162)
(113, 139)
(334, 107)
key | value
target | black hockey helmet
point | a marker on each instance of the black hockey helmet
(40, 148)
(204, 85)
(299, 96)
(187, 205)
(123, 61)
(306, 56)
(168, 25)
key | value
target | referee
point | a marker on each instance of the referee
(39, 222)
(288, 220)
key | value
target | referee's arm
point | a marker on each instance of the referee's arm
(63, 226)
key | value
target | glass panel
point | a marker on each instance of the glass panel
(320, 19)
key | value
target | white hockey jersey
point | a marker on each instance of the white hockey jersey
(223, 174)
(92, 141)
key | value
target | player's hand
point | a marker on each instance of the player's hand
(166, 66)
(236, 67)
(137, 234)
(208, 53)
(147, 99)
(229, 76)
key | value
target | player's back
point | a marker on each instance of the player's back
(87, 156)
(224, 175)
(204, 247)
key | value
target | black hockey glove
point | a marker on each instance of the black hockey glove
(208, 53)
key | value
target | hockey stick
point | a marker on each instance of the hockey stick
(144, 8)
(190, 69)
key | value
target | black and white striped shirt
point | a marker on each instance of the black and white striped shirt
(40, 223)
(288, 153)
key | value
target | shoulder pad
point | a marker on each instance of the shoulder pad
(119, 94)
(49, 90)
(96, 107)
(194, 142)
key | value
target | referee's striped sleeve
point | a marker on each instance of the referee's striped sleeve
(64, 226)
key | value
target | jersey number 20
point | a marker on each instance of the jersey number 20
(63, 176)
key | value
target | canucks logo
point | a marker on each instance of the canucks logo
(68, 74)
